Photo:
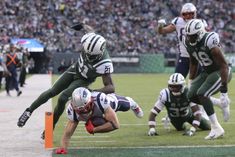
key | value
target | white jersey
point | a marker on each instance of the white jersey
(180, 23)
(101, 103)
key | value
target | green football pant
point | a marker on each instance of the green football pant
(65, 85)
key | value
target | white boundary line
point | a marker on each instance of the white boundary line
(154, 147)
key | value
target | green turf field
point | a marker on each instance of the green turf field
(132, 140)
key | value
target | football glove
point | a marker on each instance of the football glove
(89, 127)
(152, 132)
(224, 99)
(61, 151)
(190, 132)
(77, 27)
(161, 23)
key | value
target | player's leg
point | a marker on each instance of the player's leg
(64, 97)
(178, 123)
(182, 66)
(122, 103)
(208, 88)
(63, 82)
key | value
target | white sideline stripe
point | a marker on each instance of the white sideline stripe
(90, 136)
(93, 142)
(154, 147)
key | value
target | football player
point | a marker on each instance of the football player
(188, 12)
(97, 110)
(94, 61)
(179, 109)
(204, 48)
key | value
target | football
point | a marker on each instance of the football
(97, 121)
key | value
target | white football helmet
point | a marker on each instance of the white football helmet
(195, 30)
(190, 9)
(81, 98)
(94, 46)
(176, 84)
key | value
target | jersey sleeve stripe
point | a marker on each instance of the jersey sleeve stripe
(75, 116)
(208, 37)
(167, 96)
(99, 103)
(176, 20)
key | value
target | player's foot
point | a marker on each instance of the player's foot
(43, 135)
(23, 118)
(138, 111)
(216, 132)
(19, 93)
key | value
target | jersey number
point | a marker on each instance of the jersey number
(179, 112)
(203, 58)
(83, 69)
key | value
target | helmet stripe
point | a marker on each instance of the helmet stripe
(91, 42)
(189, 25)
(92, 48)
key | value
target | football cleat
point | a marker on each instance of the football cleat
(43, 135)
(23, 118)
(138, 111)
(216, 132)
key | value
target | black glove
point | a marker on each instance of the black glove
(77, 27)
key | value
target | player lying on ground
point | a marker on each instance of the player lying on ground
(97, 110)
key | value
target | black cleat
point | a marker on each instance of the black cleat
(43, 135)
(19, 93)
(23, 118)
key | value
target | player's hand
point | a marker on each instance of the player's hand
(161, 22)
(89, 127)
(77, 27)
(224, 99)
(190, 132)
(61, 151)
(152, 132)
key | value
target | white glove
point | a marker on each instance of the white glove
(161, 22)
(224, 99)
(152, 132)
(190, 132)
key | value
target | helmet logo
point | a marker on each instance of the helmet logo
(198, 25)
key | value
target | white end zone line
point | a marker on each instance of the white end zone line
(153, 147)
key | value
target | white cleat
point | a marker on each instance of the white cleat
(138, 111)
(216, 132)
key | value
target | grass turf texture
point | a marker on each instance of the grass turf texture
(145, 88)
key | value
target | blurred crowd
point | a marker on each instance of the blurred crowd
(128, 25)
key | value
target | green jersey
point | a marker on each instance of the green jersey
(177, 106)
(202, 51)
(91, 70)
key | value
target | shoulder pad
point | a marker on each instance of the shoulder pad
(164, 95)
(212, 40)
(174, 21)
(70, 113)
(104, 66)
(103, 101)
